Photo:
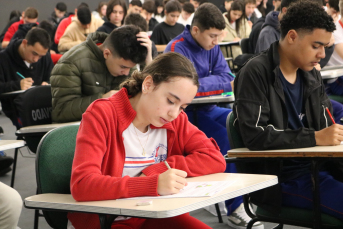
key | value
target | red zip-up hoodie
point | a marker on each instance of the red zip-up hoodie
(100, 155)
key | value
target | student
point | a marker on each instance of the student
(249, 6)
(226, 6)
(332, 9)
(66, 22)
(167, 30)
(115, 14)
(100, 12)
(187, 14)
(148, 8)
(10, 207)
(79, 28)
(271, 114)
(237, 27)
(135, 7)
(198, 43)
(30, 16)
(30, 58)
(89, 72)
(144, 120)
(15, 16)
(159, 10)
(58, 14)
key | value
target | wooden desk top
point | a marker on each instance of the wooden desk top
(11, 144)
(43, 128)
(160, 208)
(317, 151)
(214, 99)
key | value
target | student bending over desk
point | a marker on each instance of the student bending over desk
(124, 140)
(280, 103)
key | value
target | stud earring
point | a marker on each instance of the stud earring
(143, 88)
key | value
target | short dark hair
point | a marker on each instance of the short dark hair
(136, 3)
(137, 20)
(208, 16)
(149, 6)
(188, 7)
(173, 6)
(31, 13)
(38, 35)
(163, 68)
(182, 1)
(47, 26)
(84, 15)
(200, 2)
(334, 4)
(246, 2)
(61, 6)
(305, 16)
(123, 42)
(82, 4)
(15, 13)
(113, 3)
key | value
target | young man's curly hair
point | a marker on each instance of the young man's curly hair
(305, 16)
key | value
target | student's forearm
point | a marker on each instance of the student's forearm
(4, 44)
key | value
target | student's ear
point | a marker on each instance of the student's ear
(106, 53)
(292, 35)
(24, 42)
(284, 10)
(148, 85)
(195, 29)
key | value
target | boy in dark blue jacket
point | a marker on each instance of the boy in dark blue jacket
(199, 43)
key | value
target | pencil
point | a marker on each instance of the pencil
(166, 163)
(20, 75)
(333, 121)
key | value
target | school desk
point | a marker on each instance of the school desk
(227, 46)
(331, 72)
(160, 208)
(316, 155)
(43, 128)
(11, 144)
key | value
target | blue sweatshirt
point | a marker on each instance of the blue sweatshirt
(211, 66)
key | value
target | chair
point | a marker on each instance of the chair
(33, 107)
(244, 43)
(54, 160)
(288, 215)
(245, 56)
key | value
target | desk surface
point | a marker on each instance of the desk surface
(11, 144)
(331, 73)
(44, 128)
(225, 43)
(214, 99)
(161, 208)
(317, 151)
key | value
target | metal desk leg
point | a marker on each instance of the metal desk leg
(106, 220)
(317, 220)
(218, 213)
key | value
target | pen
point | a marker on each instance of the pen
(20, 75)
(333, 121)
(166, 163)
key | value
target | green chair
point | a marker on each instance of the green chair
(288, 215)
(54, 160)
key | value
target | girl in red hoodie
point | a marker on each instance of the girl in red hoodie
(124, 140)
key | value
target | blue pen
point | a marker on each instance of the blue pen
(20, 75)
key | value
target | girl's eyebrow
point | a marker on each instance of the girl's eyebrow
(174, 96)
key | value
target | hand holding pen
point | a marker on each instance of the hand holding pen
(25, 83)
(171, 181)
(332, 135)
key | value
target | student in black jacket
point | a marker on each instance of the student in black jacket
(115, 14)
(280, 103)
(28, 57)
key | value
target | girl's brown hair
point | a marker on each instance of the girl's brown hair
(162, 69)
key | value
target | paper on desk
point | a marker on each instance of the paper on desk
(194, 189)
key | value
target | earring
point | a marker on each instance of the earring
(143, 88)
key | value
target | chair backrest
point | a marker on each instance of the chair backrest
(54, 160)
(235, 138)
(245, 45)
(34, 106)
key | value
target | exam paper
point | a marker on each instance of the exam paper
(193, 189)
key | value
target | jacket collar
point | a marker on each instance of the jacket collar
(194, 46)
(124, 110)
(309, 80)
(92, 40)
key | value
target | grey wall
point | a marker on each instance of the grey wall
(45, 7)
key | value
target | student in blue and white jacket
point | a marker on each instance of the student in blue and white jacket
(198, 43)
